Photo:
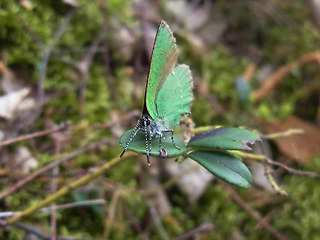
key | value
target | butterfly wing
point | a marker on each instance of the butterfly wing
(175, 96)
(163, 60)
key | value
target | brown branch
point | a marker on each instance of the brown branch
(47, 52)
(70, 156)
(65, 126)
(281, 73)
(286, 133)
(263, 222)
(32, 230)
(66, 158)
(68, 188)
(6, 71)
(135, 224)
(156, 219)
(41, 235)
(292, 170)
(265, 159)
(59, 207)
(272, 181)
(111, 214)
(54, 184)
(205, 227)
(61, 127)
(251, 68)
(84, 65)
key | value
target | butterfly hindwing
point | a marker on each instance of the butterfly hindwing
(164, 58)
(175, 96)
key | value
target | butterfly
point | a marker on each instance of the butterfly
(168, 94)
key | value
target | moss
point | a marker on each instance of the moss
(299, 216)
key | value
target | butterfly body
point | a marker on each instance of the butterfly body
(153, 128)
(168, 94)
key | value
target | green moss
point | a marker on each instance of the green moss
(299, 216)
(98, 104)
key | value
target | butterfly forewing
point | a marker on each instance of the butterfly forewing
(175, 96)
(163, 60)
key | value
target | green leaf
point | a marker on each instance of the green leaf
(225, 166)
(224, 138)
(138, 144)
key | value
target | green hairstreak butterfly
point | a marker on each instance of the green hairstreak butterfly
(168, 93)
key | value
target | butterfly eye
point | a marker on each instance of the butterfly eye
(147, 121)
(144, 122)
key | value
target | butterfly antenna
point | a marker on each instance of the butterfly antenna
(133, 134)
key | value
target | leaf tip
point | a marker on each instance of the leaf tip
(246, 143)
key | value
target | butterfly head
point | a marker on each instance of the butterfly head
(144, 122)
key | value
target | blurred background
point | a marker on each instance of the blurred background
(73, 74)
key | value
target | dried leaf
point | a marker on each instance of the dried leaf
(13, 102)
(303, 147)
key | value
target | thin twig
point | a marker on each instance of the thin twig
(31, 32)
(54, 186)
(286, 133)
(265, 159)
(68, 157)
(292, 170)
(111, 213)
(275, 78)
(65, 126)
(61, 127)
(155, 216)
(205, 227)
(47, 52)
(59, 207)
(68, 188)
(251, 68)
(41, 235)
(108, 75)
(136, 224)
(84, 64)
(32, 230)
(273, 182)
(75, 204)
(263, 222)
(52, 165)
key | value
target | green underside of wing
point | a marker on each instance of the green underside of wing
(175, 96)
(164, 58)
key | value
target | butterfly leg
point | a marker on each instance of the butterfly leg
(133, 134)
(172, 140)
(162, 151)
(148, 144)
(160, 143)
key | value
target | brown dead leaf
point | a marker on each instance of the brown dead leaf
(279, 75)
(302, 147)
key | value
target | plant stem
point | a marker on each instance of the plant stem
(66, 189)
